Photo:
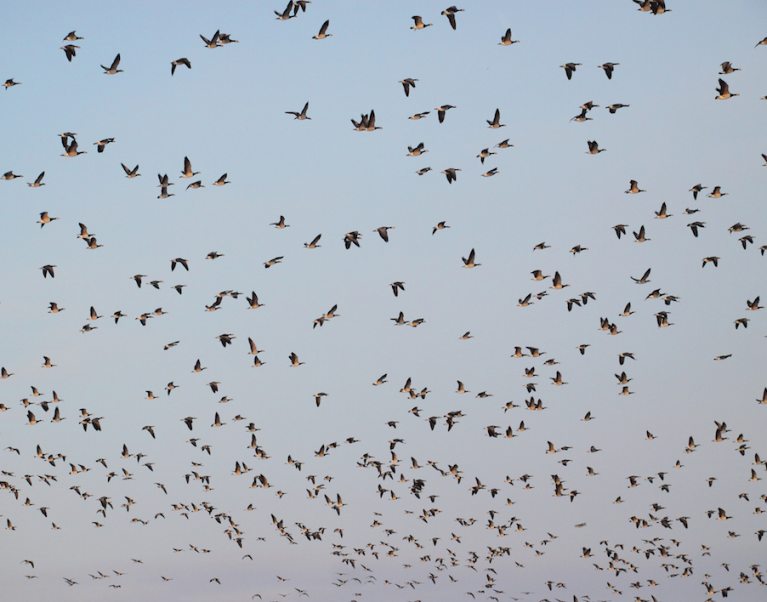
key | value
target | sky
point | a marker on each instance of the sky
(227, 114)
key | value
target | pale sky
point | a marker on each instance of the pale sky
(227, 114)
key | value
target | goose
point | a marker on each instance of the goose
(633, 188)
(301, 116)
(441, 110)
(451, 174)
(48, 270)
(696, 189)
(187, 171)
(613, 108)
(352, 238)
(72, 37)
(408, 83)
(644, 279)
(130, 173)
(418, 23)
(322, 34)
(570, 69)
(450, 12)
(640, 236)
(10, 83)
(608, 68)
(581, 117)
(383, 232)
(504, 144)
(273, 261)
(38, 181)
(416, 151)
(45, 219)
(222, 181)
(294, 362)
(557, 282)
(713, 259)
(287, 13)
(724, 91)
(314, 243)
(594, 149)
(213, 42)
(70, 150)
(496, 122)
(112, 69)
(280, 224)
(662, 212)
(728, 68)
(101, 144)
(490, 173)
(716, 193)
(418, 116)
(438, 227)
(695, 227)
(506, 39)
(70, 51)
(253, 301)
(182, 61)
(468, 262)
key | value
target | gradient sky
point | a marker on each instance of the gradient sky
(227, 115)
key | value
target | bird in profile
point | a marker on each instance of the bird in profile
(322, 34)
(187, 171)
(301, 116)
(408, 83)
(451, 174)
(450, 12)
(70, 51)
(182, 61)
(570, 69)
(38, 181)
(724, 91)
(506, 39)
(496, 122)
(442, 110)
(608, 68)
(468, 262)
(418, 23)
(593, 147)
(113, 68)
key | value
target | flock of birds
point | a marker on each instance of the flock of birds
(432, 555)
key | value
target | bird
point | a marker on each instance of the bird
(113, 68)
(70, 51)
(322, 33)
(181, 61)
(608, 68)
(301, 116)
(451, 174)
(593, 147)
(408, 83)
(187, 171)
(101, 144)
(496, 122)
(724, 91)
(418, 23)
(468, 262)
(442, 110)
(506, 39)
(450, 14)
(570, 69)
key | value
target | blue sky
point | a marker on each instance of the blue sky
(227, 114)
